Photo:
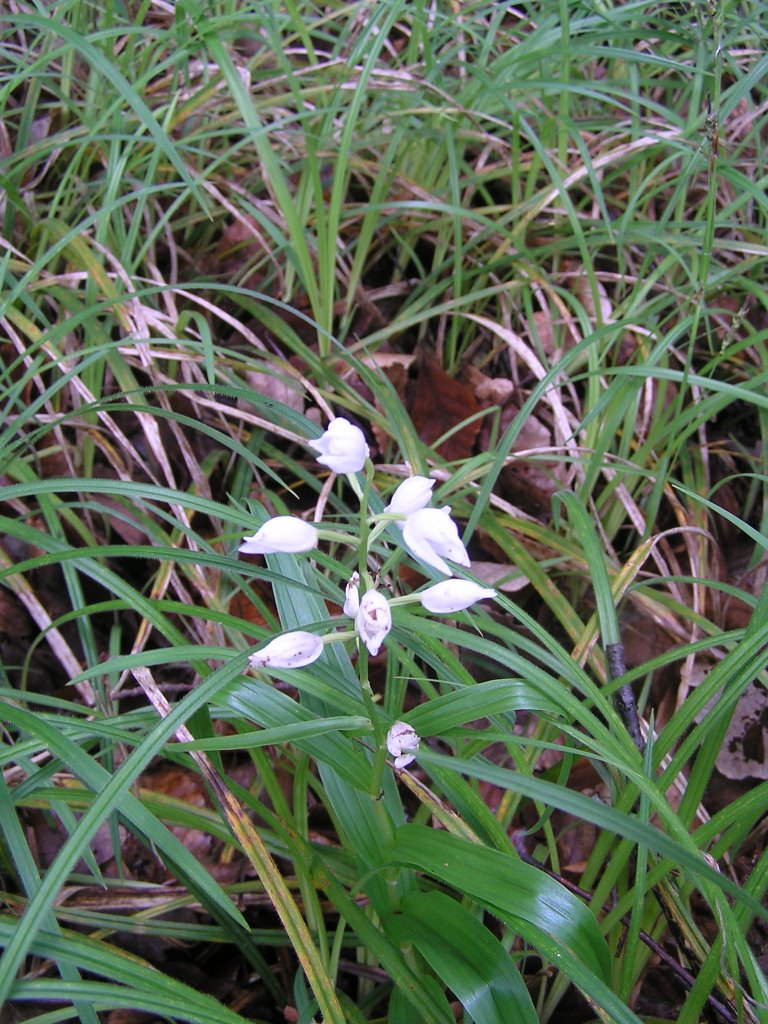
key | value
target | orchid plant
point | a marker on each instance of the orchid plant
(382, 838)
(430, 535)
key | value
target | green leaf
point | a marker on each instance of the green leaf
(276, 711)
(144, 985)
(483, 700)
(466, 956)
(594, 554)
(426, 1000)
(85, 49)
(680, 851)
(505, 883)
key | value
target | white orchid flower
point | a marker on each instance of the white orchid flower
(342, 447)
(432, 536)
(403, 743)
(412, 494)
(373, 620)
(281, 533)
(453, 595)
(352, 596)
(289, 650)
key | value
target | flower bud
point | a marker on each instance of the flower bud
(373, 620)
(342, 447)
(453, 595)
(412, 495)
(282, 533)
(352, 596)
(289, 650)
(402, 743)
(432, 536)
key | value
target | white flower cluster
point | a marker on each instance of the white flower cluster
(429, 533)
(431, 536)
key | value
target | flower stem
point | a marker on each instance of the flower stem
(362, 658)
(362, 567)
(373, 713)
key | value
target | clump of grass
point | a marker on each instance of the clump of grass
(220, 228)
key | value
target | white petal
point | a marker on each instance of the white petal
(431, 535)
(281, 533)
(289, 650)
(453, 595)
(352, 596)
(455, 550)
(415, 536)
(412, 494)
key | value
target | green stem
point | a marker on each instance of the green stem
(366, 536)
(362, 567)
(373, 713)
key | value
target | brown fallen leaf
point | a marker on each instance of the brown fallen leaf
(284, 389)
(744, 753)
(582, 289)
(396, 371)
(243, 608)
(14, 621)
(241, 241)
(505, 578)
(530, 481)
(489, 390)
(185, 786)
(438, 402)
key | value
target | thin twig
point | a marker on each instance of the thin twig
(624, 697)
(684, 976)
